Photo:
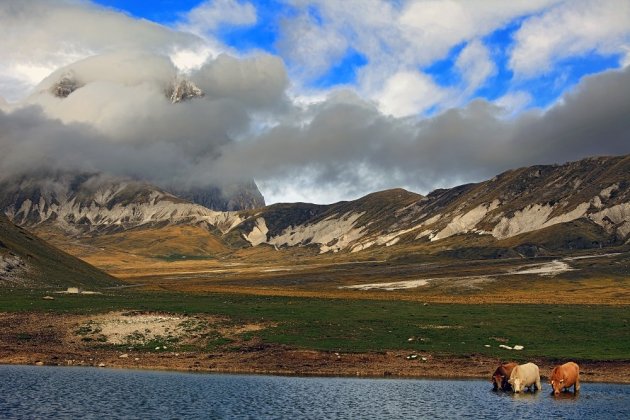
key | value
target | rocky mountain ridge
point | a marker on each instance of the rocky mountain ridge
(595, 191)
(589, 200)
(80, 203)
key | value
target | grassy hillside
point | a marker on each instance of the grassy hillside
(28, 261)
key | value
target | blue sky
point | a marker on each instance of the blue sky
(343, 67)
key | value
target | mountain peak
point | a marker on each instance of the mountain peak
(183, 90)
(67, 84)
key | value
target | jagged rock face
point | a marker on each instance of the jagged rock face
(183, 90)
(66, 85)
(234, 197)
(82, 203)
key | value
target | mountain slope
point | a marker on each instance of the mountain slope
(28, 261)
(593, 191)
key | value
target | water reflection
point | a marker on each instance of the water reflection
(565, 396)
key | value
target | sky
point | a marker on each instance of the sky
(316, 100)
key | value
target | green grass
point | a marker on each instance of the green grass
(577, 332)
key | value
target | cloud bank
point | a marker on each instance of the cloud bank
(347, 143)
(121, 122)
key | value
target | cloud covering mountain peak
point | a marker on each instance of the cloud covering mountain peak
(111, 114)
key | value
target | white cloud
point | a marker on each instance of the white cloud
(409, 93)
(572, 28)
(475, 65)
(394, 37)
(41, 35)
(513, 102)
(310, 47)
(187, 60)
(211, 14)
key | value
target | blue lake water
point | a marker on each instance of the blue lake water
(30, 392)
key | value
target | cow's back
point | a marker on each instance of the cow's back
(571, 372)
(508, 368)
(528, 373)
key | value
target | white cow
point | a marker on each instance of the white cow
(525, 376)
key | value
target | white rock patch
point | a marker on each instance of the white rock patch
(395, 285)
(332, 234)
(526, 220)
(466, 222)
(534, 217)
(606, 192)
(258, 235)
(387, 240)
(547, 269)
(617, 215)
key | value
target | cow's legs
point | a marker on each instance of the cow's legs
(576, 387)
(538, 385)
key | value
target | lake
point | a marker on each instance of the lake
(77, 392)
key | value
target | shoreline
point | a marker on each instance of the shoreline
(280, 361)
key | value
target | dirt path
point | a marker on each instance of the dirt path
(82, 340)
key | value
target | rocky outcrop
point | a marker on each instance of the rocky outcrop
(182, 90)
(67, 84)
(233, 197)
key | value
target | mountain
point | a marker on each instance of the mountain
(526, 211)
(592, 194)
(233, 197)
(179, 90)
(336, 227)
(92, 203)
(28, 261)
(182, 90)
(67, 83)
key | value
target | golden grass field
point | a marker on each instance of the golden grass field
(191, 259)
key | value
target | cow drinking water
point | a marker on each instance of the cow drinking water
(501, 376)
(564, 377)
(525, 376)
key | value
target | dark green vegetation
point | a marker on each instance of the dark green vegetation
(579, 332)
(39, 264)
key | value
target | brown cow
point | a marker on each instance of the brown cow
(501, 375)
(564, 377)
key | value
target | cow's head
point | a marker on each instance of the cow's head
(516, 384)
(556, 380)
(497, 381)
(557, 385)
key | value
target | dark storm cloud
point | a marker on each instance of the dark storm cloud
(352, 146)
